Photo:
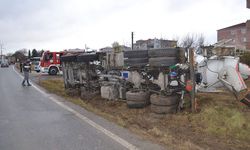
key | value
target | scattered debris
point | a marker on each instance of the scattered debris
(131, 75)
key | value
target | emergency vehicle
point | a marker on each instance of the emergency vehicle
(50, 62)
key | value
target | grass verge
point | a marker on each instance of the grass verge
(222, 123)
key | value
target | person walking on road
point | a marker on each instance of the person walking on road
(21, 66)
(26, 70)
(30, 63)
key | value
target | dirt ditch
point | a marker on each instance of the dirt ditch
(220, 122)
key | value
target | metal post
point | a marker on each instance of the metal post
(1, 47)
(132, 42)
(192, 77)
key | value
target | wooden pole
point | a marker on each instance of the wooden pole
(132, 40)
(192, 77)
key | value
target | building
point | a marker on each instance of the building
(237, 36)
(75, 50)
(248, 3)
(2, 57)
(154, 44)
(110, 49)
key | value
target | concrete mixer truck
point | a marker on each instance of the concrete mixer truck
(222, 71)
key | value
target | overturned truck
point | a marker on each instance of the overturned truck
(153, 77)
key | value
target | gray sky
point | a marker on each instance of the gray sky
(63, 24)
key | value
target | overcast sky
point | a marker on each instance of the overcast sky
(64, 24)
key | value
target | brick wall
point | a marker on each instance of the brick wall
(237, 33)
(248, 35)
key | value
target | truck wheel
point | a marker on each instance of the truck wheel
(161, 100)
(136, 54)
(138, 99)
(169, 52)
(163, 109)
(136, 62)
(136, 104)
(162, 61)
(53, 71)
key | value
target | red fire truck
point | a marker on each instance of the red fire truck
(50, 62)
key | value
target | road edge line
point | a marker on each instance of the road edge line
(108, 133)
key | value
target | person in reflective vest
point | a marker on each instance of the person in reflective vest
(26, 70)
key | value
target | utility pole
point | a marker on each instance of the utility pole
(132, 40)
(191, 62)
(1, 47)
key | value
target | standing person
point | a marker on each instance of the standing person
(30, 66)
(21, 66)
(26, 69)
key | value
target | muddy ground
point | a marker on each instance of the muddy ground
(220, 122)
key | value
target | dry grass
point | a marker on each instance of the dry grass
(222, 122)
(57, 87)
(224, 118)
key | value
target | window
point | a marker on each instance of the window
(233, 32)
(244, 39)
(243, 31)
(48, 56)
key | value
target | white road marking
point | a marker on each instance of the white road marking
(113, 136)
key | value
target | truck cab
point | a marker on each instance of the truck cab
(50, 62)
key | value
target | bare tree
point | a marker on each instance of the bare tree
(188, 41)
(116, 46)
(20, 54)
(177, 39)
(200, 40)
(9, 54)
(195, 41)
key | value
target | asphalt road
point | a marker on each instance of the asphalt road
(30, 120)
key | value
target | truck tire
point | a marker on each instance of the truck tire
(162, 61)
(138, 99)
(169, 52)
(136, 104)
(136, 62)
(163, 109)
(136, 54)
(68, 58)
(161, 100)
(87, 57)
(53, 71)
(137, 96)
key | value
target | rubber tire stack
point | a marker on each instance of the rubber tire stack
(163, 104)
(136, 58)
(138, 99)
(163, 57)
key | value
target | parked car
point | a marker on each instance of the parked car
(37, 66)
(4, 64)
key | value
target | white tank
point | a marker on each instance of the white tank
(222, 71)
(244, 69)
